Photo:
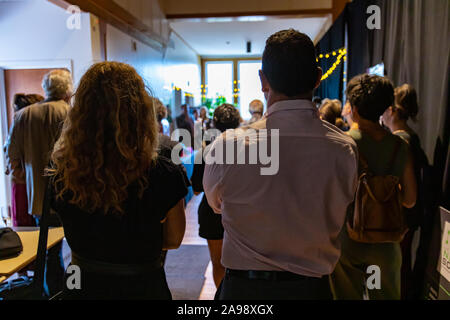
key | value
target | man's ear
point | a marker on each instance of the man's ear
(319, 77)
(264, 83)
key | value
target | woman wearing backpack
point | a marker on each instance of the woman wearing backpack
(396, 118)
(373, 261)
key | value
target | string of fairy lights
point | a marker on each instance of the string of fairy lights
(339, 54)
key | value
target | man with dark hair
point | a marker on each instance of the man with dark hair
(281, 230)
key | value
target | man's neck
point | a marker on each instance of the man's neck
(276, 97)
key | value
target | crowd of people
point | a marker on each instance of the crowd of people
(105, 154)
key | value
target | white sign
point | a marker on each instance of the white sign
(445, 252)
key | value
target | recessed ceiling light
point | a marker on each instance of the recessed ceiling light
(252, 18)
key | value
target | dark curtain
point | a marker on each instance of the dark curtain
(333, 40)
(414, 45)
(416, 51)
(365, 47)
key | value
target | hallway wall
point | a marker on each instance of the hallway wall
(35, 32)
(178, 66)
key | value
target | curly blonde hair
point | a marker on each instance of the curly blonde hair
(108, 141)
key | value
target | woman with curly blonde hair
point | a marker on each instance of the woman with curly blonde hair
(119, 203)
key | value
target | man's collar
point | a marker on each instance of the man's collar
(298, 104)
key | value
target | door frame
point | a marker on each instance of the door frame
(5, 182)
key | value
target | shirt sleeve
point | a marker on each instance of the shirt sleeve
(212, 184)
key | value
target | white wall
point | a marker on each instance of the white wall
(146, 60)
(34, 34)
(182, 68)
(35, 31)
(178, 66)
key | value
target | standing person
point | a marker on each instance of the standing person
(19, 202)
(184, 121)
(281, 230)
(256, 109)
(33, 135)
(386, 154)
(120, 204)
(161, 117)
(396, 119)
(330, 111)
(226, 116)
(205, 118)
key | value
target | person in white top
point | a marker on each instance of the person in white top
(282, 219)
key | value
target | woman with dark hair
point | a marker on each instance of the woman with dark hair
(396, 118)
(22, 100)
(19, 201)
(119, 203)
(226, 116)
(385, 154)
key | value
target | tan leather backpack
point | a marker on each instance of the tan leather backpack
(378, 215)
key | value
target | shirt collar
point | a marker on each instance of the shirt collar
(299, 104)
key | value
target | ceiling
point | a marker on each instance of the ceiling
(222, 37)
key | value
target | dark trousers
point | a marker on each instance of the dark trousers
(304, 288)
(54, 266)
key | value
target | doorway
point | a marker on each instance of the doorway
(18, 77)
(21, 81)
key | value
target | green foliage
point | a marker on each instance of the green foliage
(212, 105)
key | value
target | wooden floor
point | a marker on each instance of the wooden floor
(191, 238)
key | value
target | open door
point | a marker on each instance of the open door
(5, 186)
(14, 81)
(22, 81)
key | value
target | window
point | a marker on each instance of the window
(249, 85)
(219, 80)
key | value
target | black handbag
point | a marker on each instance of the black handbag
(10, 244)
(25, 288)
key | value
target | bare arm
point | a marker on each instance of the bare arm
(174, 226)
(409, 184)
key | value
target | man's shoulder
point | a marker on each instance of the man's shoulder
(337, 135)
(60, 104)
(44, 105)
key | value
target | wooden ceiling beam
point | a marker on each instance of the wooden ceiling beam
(307, 12)
(115, 15)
